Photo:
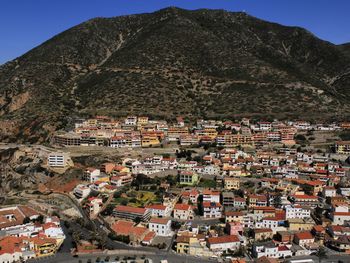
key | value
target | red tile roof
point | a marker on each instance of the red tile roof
(182, 207)
(161, 221)
(304, 235)
(130, 209)
(223, 239)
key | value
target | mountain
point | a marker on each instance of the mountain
(345, 48)
(203, 63)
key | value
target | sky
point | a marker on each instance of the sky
(25, 24)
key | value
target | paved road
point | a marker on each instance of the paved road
(156, 257)
(330, 259)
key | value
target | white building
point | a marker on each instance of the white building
(267, 223)
(339, 218)
(329, 191)
(95, 204)
(131, 120)
(297, 212)
(58, 159)
(92, 175)
(81, 191)
(211, 196)
(53, 231)
(211, 170)
(160, 226)
(267, 249)
(224, 243)
(159, 210)
(212, 210)
(183, 211)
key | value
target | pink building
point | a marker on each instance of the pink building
(234, 228)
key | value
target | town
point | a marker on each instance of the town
(223, 191)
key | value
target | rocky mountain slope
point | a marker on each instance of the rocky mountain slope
(204, 63)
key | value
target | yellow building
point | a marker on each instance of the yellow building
(231, 183)
(192, 245)
(44, 246)
(342, 147)
(142, 120)
(299, 224)
(92, 122)
(208, 132)
(149, 141)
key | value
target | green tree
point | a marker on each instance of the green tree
(321, 254)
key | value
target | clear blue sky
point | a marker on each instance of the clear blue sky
(25, 24)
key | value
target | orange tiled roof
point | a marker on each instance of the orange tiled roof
(130, 209)
(223, 239)
(304, 235)
(161, 221)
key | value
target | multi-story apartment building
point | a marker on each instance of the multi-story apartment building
(212, 210)
(231, 183)
(160, 226)
(131, 213)
(58, 159)
(342, 147)
(188, 178)
(297, 211)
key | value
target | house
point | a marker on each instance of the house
(191, 195)
(257, 200)
(261, 234)
(223, 243)
(329, 191)
(234, 228)
(211, 196)
(267, 249)
(337, 231)
(150, 140)
(194, 245)
(131, 213)
(183, 212)
(15, 215)
(300, 224)
(231, 183)
(53, 230)
(188, 178)
(44, 246)
(305, 200)
(284, 252)
(339, 218)
(93, 175)
(267, 222)
(159, 210)
(228, 199)
(121, 179)
(212, 210)
(342, 244)
(342, 147)
(131, 120)
(15, 249)
(81, 191)
(303, 238)
(98, 186)
(160, 226)
(94, 205)
(234, 216)
(319, 232)
(285, 236)
(211, 170)
(136, 234)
